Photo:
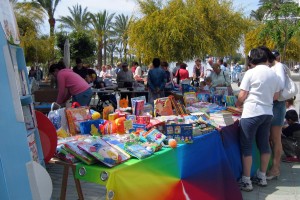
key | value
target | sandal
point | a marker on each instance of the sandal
(271, 175)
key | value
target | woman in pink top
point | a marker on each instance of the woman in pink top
(182, 73)
(70, 84)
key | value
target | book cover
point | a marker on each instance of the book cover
(139, 107)
(33, 148)
(154, 135)
(116, 142)
(103, 151)
(137, 150)
(189, 98)
(72, 148)
(182, 133)
(28, 118)
(163, 107)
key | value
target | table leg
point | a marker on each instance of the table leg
(64, 183)
(78, 185)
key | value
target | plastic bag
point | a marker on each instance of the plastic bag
(58, 118)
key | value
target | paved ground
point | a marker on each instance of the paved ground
(286, 187)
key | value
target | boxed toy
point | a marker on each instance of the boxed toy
(182, 133)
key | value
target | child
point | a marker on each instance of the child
(289, 104)
(208, 83)
(291, 137)
(202, 85)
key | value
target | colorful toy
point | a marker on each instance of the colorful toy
(91, 127)
(61, 133)
(124, 103)
(120, 125)
(172, 143)
(95, 114)
(94, 130)
(108, 127)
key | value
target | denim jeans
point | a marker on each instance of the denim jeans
(255, 128)
(83, 98)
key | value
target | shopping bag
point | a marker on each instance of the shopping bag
(75, 115)
(290, 88)
(59, 120)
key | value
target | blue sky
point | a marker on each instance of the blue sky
(127, 7)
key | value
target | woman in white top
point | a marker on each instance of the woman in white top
(258, 89)
(279, 111)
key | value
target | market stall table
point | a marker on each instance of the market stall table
(190, 171)
(231, 142)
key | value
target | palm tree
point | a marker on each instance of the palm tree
(121, 27)
(49, 7)
(101, 23)
(111, 48)
(78, 20)
(29, 15)
(258, 14)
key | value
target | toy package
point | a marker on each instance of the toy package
(102, 151)
(75, 116)
(137, 127)
(189, 98)
(131, 117)
(148, 110)
(107, 110)
(139, 107)
(182, 133)
(143, 120)
(134, 99)
(137, 150)
(113, 116)
(91, 127)
(163, 107)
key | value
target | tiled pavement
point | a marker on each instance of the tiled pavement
(286, 187)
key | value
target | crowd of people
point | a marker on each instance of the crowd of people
(264, 117)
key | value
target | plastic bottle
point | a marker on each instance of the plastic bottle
(118, 100)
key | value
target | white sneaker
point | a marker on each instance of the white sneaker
(245, 186)
(260, 180)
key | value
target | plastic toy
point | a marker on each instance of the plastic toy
(172, 143)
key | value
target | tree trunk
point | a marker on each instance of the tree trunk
(100, 53)
(112, 58)
(104, 52)
(125, 52)
(52, 26)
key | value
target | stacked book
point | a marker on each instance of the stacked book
(222, 118)
(178, 106)
(234, 110)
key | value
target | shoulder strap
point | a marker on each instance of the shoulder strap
(224, 76)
